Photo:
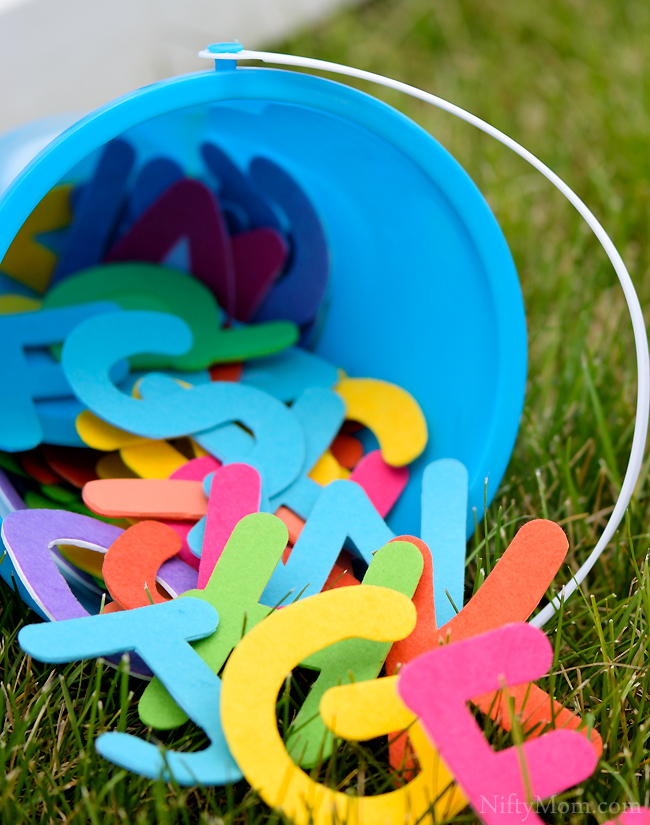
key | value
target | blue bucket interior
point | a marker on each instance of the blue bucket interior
(423, 289)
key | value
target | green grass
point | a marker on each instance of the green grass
(569, 80)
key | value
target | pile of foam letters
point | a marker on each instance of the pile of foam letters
(192, 486)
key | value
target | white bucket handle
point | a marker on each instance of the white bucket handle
(634, 307)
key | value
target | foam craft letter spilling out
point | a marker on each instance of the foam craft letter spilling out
(152, 459)
(234, 589)
(509, 594)
(342, 511)
(20, 427)
(100, 435)
(194, 470)
(398, 565)
(28, 536)
(91, 349)
(278, 446)
(160, 634)
(174, 575)
(135, 557)
(320, 412)
(257, 670)
(235, 492)
(425, 634)
(392, 414)
(437, 686)
(444, 516)
(146, 498)
(383, 484)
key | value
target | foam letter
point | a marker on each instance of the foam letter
(391, 413)
(397, 565)
(160, 634)
(28, 536)
(235, 187)
(97, 210)
(255, 674)
(92, 348)
(152, 459)
(132, 561)
(299, 294)
(278, 446)
(509, 594)
(286, 375)
(235, 492)
(146, 498)
(444, 519)
(20, 428)
(187, 209)
(437, 686)
(342, 511)
(27, 259)
(248, 559)
(320, 413)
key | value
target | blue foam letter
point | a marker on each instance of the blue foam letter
(160, 634)
(443, 529)
(320, 412)
(342, 511)
(20, 428)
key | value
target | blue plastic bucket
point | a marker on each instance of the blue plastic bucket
(423, 289)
